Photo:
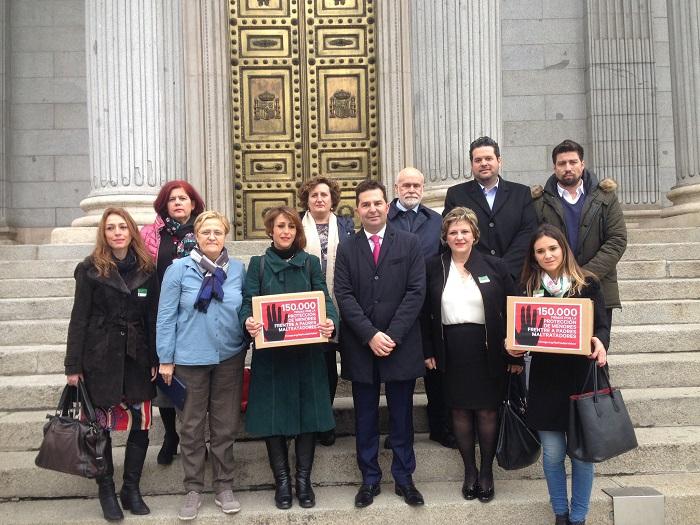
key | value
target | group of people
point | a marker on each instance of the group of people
(411, 294)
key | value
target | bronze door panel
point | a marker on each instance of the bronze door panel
(303, 92)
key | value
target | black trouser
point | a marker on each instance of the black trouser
(329, 354)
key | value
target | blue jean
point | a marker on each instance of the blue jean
(553, 454)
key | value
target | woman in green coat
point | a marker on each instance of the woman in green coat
(289, 385)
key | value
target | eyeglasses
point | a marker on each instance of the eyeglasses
(209, 233)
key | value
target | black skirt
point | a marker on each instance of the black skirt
(467, 381)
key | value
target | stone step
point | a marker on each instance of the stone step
(35, 308)
(658, 269)
(33, 269)
(648, 407)
(654, 338)
(29, 360)
(677, 251)
(42, 287)
(34, 332)
(516, 501)
(661, 450)
(655, 370)
(658, 235)
(652, 289)
(678, 311)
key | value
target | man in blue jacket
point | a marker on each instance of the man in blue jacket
(407, 213)
(380, 288)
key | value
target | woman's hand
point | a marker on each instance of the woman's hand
(327, 328)
(430, 363)
(253, 327)
(167, 371)
(599, 352)
(72, 379)
(154, 373)
(512, 352)
(515, 369)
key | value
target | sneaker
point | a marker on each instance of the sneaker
(228, 502)
(188, 511)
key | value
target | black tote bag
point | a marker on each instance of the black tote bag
(72, 446)
(518, 446)
(599, 425)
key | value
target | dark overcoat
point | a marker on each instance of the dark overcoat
(427, 226)
(289, 385)
(495, 284)
(386, 297)
(112, 334)
(554, 377)
(504, 231)
(602, 235)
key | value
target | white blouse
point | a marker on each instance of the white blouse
(461, 299)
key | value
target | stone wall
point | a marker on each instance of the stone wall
(48, 142)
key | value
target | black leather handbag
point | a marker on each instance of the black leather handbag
(518, 446)
(70, 445)
(599, 425)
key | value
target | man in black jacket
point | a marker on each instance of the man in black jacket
(504, 209)
(407, 213)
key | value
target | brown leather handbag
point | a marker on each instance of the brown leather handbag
(71, 445)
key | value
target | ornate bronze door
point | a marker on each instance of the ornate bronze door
(304, 98)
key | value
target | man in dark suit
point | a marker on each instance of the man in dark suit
(407, 213)
(504, 209)
(380, 288)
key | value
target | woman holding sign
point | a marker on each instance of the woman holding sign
(289, 388)
(463, 326)
(551, 271)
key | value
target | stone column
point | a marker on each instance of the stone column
(394, 82)
(684, 36)
(136, 110)
(457, 87)
(208, 105)
(7, 234)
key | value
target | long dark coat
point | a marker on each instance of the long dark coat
(112, 334)
(493, 293)
(504, 231)
(386, 297)
(427, 226)
(289, 385)
(602, 236)
(554, 377)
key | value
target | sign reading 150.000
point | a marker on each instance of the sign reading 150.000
(289, 319)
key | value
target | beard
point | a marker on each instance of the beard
(409, 202)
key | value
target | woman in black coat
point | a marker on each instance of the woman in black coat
(111, 346)
(551, 271)
(463, 326)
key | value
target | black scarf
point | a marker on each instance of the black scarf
(284, 254)
(214, 278)
(126, 264)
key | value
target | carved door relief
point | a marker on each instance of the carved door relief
(304, 101)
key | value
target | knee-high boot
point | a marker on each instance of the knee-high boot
(304, 446)
(279, 463)
(130, 495)
(106, 491)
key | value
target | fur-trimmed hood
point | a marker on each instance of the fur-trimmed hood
(589, 180)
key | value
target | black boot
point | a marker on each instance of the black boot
(171, 440)
(107, 494)
(130, 495)
(304, 446)
(279, 463)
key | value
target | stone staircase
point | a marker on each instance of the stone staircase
(655, 358)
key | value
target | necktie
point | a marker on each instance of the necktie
(377, 246)
(410, 218)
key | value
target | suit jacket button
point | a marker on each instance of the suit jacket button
(493, 252)
(376, 277)
(491, 224)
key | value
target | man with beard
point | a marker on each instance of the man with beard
(408, 214)
(588, 212)
(504, 209)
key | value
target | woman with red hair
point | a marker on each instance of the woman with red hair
(171, 237)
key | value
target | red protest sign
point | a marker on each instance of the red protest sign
(550, 324)
(289, 319)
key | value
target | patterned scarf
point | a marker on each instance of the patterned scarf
(555, 288)
(214, 277)
(182, 235)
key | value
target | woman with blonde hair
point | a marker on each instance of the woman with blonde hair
(551, 270)
(111, 347)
